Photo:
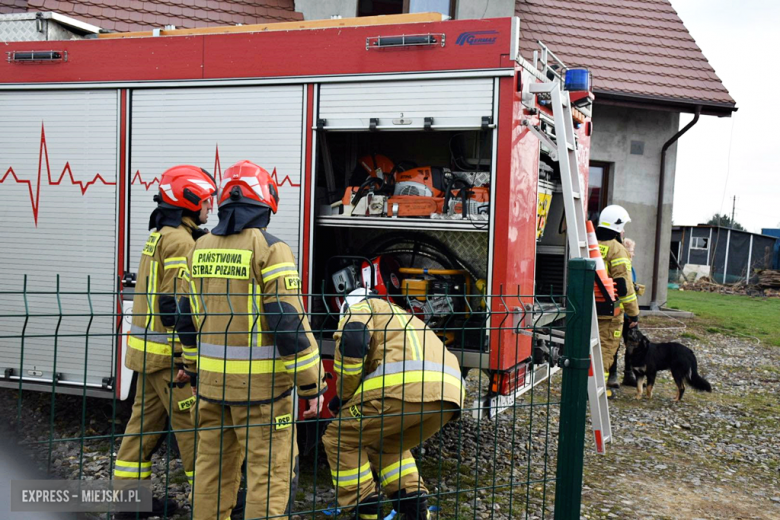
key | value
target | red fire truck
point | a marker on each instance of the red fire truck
(404, 146)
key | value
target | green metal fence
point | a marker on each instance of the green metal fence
(475, 465)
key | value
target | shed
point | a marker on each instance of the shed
(731, 255)
(774, 232)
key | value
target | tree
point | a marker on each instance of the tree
(724, 221)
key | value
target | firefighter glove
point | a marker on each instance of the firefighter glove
(334, 405)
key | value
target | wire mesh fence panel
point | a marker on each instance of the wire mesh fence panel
(236, 403)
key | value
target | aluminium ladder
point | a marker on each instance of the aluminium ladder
(565, 147)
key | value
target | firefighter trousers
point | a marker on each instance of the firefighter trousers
(375, 437)
(610, 332)
(156, 400)
(264, 434)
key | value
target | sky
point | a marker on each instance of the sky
(720, 158)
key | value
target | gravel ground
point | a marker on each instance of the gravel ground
(712, 456)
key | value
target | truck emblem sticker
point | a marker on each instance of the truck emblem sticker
(477, 38)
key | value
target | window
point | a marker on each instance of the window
(700, 243)
(381, 7)
(431, 6)
(598, 183)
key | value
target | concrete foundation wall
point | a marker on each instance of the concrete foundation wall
(634, 178)
(325, 9)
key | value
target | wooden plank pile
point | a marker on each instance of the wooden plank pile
(766, 284)
(769, 279)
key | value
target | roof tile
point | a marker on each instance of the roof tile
(139, 15)
(636, 47)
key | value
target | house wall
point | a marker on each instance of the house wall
(325, 9)
(634, 179)
(470, 9)
(23, 27)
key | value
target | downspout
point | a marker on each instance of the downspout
(660, 213)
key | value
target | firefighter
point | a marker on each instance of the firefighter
(618, 264)
(153, 350)
(254, 347)
(628, 374)
(397, 386)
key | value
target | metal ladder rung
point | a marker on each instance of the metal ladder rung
(575, 221)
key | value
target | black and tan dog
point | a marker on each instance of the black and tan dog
(648, 358)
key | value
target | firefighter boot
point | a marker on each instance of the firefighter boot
(411, 506)
(368, 509)
(628, 373)
(612, 380)
(611, 392)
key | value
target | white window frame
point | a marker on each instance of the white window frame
(696, 240)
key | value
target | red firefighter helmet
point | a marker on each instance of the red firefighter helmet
(248, 183)
(376, 165)
(186, 187)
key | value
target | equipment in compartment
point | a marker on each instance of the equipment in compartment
(425, 181)
(434, 294)
(369, 186)
(381, 188)
(419, 274)
(386, 279)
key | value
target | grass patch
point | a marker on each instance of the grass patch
(690, 335)
(732, 314)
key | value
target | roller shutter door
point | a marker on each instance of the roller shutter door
(58, 206)
(404, 105)
(215, 128)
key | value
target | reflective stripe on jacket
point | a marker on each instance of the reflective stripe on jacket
(383, 351)
(152, 344)
(254, 342)
(618, 264)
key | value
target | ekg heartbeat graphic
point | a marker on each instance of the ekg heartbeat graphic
(35, 194)
(43, 154)
(138, 179)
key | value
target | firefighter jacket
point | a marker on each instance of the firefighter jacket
(383, 351)
(618, 264)
(152, 342)
(254, 342)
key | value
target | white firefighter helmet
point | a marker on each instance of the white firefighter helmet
(614, 217)
(353, 298)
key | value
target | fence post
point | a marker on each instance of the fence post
(574, 389)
